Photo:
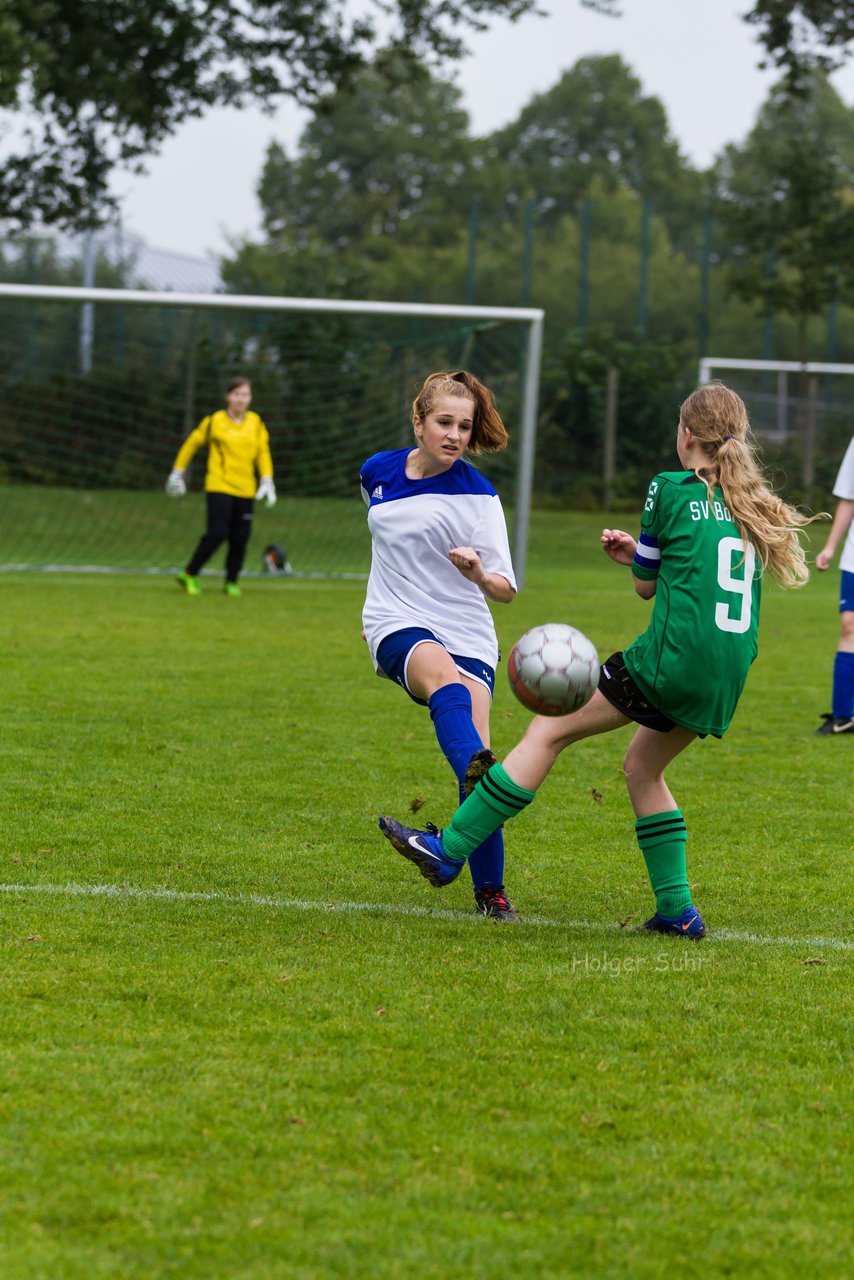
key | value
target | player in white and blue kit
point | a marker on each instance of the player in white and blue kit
(841, 717)
(440, 551)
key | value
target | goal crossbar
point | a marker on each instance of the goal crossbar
(708, 363)
(252, 301)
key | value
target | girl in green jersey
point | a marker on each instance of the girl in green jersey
(708, 534)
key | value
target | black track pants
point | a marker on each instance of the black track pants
(228, 518)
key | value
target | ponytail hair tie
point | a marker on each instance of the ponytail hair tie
(727, 438)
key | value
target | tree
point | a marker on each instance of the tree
(102, 83)
(653, 381)
(388, 154)
(789, 213)
(787, 207)
(594, 126)
(802, 36)
(375, 201)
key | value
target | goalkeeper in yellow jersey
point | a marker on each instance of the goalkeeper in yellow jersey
(240, 469)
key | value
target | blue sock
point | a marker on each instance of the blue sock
(843, 685)
(450, 711)
(486, 862)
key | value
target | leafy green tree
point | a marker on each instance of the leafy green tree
(594, 126)
(787, 208)
(386, 155)
(388, 164)
(802, 36)
(101, 83)
(654, 378)
(789, 216)
(375, 202)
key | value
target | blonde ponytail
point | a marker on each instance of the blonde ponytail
(717, 418)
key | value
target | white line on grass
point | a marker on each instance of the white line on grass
(377, 908)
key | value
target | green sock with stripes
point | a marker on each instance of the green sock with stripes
(662, 838)
(495, 798)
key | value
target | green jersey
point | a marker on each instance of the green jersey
(692, 660)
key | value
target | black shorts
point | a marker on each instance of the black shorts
(619, 688)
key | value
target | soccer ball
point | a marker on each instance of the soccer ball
(553, 669)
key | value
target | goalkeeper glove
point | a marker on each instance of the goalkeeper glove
(267, 489)
(175, 486)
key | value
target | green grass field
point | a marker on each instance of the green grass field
(241, 1039)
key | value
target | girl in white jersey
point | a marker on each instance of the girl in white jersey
(841, 718)
(440, 551)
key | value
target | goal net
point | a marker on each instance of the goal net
(102, 386)
(802, 414)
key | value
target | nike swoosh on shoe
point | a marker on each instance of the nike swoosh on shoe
(415, 843)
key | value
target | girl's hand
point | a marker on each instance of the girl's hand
(467, 561)
(620, 546)
(493, 585)
(823, 559)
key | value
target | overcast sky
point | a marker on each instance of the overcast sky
(698, 56)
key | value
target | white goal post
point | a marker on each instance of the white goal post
(254, 325)
(802, 412)
(771, 386)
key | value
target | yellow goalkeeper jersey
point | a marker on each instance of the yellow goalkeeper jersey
(236, 450)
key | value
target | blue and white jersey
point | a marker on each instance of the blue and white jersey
(844, 488)
(414, 524)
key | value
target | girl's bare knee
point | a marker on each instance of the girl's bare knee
(541, 736)
(631, 763)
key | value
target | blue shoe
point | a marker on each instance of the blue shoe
(424, 848)
(688, 925)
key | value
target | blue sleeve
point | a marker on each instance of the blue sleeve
(647, 559)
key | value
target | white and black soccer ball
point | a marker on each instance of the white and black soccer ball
(553, 669)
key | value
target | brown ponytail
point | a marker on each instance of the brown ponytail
(489, 433)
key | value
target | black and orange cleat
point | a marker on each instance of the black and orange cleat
(493, 903)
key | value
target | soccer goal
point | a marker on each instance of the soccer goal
(804, 410)
(102, 385)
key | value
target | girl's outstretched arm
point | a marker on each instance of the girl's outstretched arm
(621, 547)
